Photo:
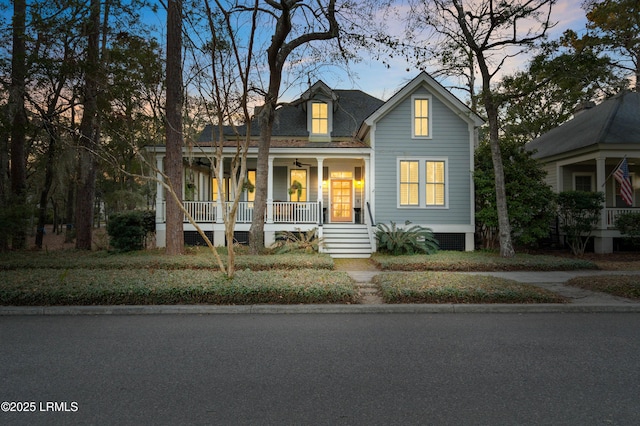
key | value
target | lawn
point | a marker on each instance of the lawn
(447, 287)
(617, 285)
(479, 261)
(70, 277)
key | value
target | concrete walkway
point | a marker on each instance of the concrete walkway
(579, 301)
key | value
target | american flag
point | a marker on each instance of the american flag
(622, 176)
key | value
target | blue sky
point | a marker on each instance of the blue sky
(377, 79)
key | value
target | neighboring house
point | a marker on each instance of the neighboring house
(342, 161)
(583, 153)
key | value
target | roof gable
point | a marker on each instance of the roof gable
(425, 80)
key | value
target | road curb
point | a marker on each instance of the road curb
(316, 309)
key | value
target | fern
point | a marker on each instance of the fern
(413, 240)
(299, 241)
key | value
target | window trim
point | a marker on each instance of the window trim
(590, 174)
(322, 137)
(422, 181)
(305, 184)
(429, 117)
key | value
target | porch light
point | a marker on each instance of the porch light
(358, 183)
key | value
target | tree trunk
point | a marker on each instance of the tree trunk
(18, 117)
(506, 246)
(48, 180)
(173, 128)
(256, 232)
(89, 135)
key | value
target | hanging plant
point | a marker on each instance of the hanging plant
(296, 187)
(248, 186)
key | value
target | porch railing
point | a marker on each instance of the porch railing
(283, 211)
(612, 215)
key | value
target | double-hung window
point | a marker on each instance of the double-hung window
(421, 123)
(422, 182)
(319, 118)
(409, 183)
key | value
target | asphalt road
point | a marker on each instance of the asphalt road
(388, 369)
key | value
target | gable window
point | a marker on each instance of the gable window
(434, 183)
(319, 118)
(422, 182)
(298, 185)
(409, 183)
(421, 117)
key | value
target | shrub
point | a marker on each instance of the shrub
(579, 213)
(412, 240)
(307, 242)
(127, 230)
(629, 225)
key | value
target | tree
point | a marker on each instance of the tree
(579, 213)
(493, 31)
(557, 80)
(529, 198)
(173, 127)
(616, 26)
(281, 46)
(89, 133)
(18, 118)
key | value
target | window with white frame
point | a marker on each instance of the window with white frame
(409, 183)
(319, 118)
(434, 178)
(583, 182)
(298, 185)
(421, 112)
(422, 182)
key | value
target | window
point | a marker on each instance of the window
(298, 185)
(421, 122)
(583, 182)
(409, 183)
(435, 183)
(319, 118)
(422, 182)
(251, 177)
(214, 189)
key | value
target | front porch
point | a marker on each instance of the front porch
(594, 172)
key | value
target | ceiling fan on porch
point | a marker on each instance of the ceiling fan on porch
(299, 164)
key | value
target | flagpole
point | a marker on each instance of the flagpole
(614, 170)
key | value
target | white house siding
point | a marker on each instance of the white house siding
(450, 140)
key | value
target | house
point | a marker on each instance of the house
(583, 153)
(342, 161)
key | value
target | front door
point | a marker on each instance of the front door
(341, 196)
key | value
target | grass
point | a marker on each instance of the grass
(478, 261)
(70, 277)
(43, 287)
(617, 285)
(196, 258)
(443, 287)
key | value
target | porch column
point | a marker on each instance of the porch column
(319, 198)
(159, 189)
(270, 191)
(367, 189)
(222, 196)
(161, 233)
(600, 182)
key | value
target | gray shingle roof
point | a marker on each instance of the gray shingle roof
(351, 109)
(614, 121)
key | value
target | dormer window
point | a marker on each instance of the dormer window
(319, 118)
